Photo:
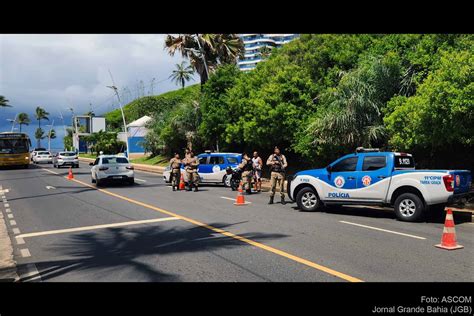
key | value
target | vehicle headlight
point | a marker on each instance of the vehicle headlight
(27, 158)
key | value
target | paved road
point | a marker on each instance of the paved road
(69, 231)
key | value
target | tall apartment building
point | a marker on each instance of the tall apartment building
(253, 44)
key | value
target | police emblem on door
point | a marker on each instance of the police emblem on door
(366, 180)
(339, 181)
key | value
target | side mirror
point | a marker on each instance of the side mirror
(91, 163)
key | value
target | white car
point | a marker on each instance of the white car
(43, 157)
(111, 168)
(65, 158)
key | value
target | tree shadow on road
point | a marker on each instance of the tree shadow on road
(123, 251)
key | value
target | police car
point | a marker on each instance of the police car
(212, 167)
(369, 177)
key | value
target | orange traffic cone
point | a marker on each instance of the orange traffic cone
(240, 200)
(70, 176)
(448, 241)
(181, 183)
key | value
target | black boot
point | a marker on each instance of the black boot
(190, 187)
(249, 191)
(271, 200)
(174, 189)
(283, 200)
(195, 189)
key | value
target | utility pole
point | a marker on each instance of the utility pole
(64, 126)
(13, 122)
(113, 87)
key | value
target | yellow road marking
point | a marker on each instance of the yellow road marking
(229, 234)
(79, 229)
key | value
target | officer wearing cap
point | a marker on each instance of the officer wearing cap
(191, 164)
(277, 163)
(175, 166)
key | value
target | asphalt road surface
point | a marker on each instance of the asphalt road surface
(68, 230)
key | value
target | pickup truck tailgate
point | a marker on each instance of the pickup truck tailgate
(462, 181)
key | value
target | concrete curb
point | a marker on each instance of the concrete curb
(8, 271)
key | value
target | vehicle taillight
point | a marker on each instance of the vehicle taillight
(103, 168)
(129, 167)
(449, 182)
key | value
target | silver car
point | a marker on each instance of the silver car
(43, 157)
(65, 158)
(111, 168)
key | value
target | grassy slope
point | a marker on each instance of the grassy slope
(151, 104)
(156, 161)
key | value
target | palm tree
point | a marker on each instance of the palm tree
(40, 114)
(4, 102)
(51, 135)
(206, 50)
(23, 119)
(182, 73)
(39, 135)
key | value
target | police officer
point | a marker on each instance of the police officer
(191, 165)
(175, 165)
(247, 172)
(278, 164)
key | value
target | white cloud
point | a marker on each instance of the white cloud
(57, 70)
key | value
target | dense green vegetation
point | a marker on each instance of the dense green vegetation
(322, 96)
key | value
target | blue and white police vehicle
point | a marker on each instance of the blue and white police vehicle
(369, 177)
(212, 167)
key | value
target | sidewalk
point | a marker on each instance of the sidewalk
(7, 264)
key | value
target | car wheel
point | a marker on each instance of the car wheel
(226, 180)
(308, 200)
(92, 180)
(98, 182)
(131, 181)
(409, 207)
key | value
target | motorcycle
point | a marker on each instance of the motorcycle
(235, 177)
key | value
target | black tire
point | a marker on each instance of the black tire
(409, 207)
(131, 181)
(308, 200)
(229, 182)
(92, 180)
(98, 182)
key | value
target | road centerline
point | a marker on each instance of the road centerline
(382, 230)
(94, 227)
(228, 234)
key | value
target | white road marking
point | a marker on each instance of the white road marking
(49, 187)
(12, 223)
(140, 180)
(16, 231)
(31, 275)
(233, 199)
(8, 210)
(6, 205)
(20, 241)
(25, 253)
(77, 229)
(383, 230)
(10, 215)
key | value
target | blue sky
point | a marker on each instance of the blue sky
(57, 71)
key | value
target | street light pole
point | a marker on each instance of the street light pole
(202, 55)
(113, 87)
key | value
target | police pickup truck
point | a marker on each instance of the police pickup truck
(371, 177)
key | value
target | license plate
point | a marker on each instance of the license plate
(117, 177)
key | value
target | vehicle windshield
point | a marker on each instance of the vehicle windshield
(71, 154)
(13, 146)
(114, 160)
(44, 153)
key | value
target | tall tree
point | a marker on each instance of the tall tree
(39, 135)
(40, 114)
(23, 119)
(182, 73)
(206, 50)
(4, 102)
